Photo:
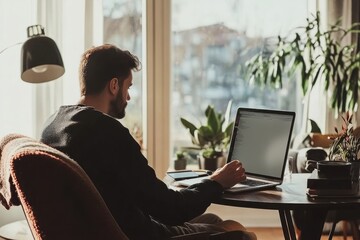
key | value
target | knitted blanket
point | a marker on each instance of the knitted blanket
(13, 146)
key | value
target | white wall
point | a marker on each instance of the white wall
(13, 214)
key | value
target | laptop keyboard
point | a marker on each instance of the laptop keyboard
(251, 182)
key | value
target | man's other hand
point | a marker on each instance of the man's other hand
(230, 174)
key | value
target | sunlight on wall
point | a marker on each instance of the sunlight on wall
(16, 102)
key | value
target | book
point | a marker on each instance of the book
(187, 174)
(316, 182)
(333, 192)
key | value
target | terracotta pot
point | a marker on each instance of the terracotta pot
(322, 140)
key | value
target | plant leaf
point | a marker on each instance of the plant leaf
(314, 127)
(188, 125)
(213, 120)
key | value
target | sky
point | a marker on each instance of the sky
(258, 18)
(255, 17)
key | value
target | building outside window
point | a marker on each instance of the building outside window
(123, 28)
(209, 50)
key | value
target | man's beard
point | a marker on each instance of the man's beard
(117, 107)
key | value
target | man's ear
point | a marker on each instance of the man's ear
(113, 86)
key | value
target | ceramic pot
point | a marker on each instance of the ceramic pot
(211, 163)
(334, 169)
(354, 171)
(180, 164)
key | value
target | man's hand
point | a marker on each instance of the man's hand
(230, 174)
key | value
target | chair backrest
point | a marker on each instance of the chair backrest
(58, 198)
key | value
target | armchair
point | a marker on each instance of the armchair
(58, 198)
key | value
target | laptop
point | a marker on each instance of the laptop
(260, 140)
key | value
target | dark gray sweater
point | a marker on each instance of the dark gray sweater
(105, 149)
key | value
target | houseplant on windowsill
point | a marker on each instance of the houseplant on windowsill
(212, 138)
(180, 161)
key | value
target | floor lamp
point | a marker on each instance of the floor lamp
(41, 62)
(40, 57)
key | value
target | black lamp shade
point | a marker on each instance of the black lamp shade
(41, 60)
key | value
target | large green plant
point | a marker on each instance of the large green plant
(315, 54)
(213, 136)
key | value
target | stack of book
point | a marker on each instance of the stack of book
(330, 187)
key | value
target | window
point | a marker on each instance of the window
(122, 27)
(190, 59)
(209, 49)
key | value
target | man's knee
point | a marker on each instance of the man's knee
(208, 218)
(231, 225)
(233, 235)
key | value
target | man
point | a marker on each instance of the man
(89, 133)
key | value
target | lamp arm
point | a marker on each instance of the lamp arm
(10, 47)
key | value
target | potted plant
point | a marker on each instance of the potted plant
(180, 161)
(211, 137)
(315, 54)
(346, 146)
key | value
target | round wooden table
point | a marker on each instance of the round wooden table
(291, 195)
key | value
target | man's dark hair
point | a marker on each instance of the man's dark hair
(101, 64)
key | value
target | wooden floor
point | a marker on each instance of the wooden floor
(277, 234)
(264, 223)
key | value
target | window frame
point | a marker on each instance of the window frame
(157, 82)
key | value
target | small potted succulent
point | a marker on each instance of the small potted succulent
(212, 138)
(180, 161)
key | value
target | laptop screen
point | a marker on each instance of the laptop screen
(260, 140)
